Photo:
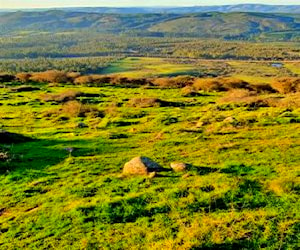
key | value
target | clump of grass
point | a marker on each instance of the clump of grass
(65, 96)
(289, 101)
(246, 97)
(77, 109)
(101, 80)
(83, 80)
(145, 102)
(74, 109)
(262, 88)
(286, 85)
(51, 76)
(151, 102)
(174, 82)
(189, 91)
(238, 95)
(208, 85)
(23, 77)
(234, 83)
(130, 82)
(73, 75)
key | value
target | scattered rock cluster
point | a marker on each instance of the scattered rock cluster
(144, 166)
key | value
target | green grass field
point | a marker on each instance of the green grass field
(242, 191)
(149, 67)
(252, 71)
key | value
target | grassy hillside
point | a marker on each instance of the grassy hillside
(60, 173)
(211, 24)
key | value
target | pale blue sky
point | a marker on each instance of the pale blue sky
(123, 3)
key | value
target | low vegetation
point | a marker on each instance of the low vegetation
(63, 147)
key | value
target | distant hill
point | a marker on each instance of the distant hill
(185, 10)
(228, 25)
(236, 25)
(196, 9)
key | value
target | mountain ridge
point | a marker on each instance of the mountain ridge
(234, 25)
(176, 9)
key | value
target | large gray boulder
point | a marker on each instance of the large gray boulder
(140, 166)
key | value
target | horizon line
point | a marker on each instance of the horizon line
(154, 6)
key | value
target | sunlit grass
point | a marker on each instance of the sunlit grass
(147, 67)
(242, 192)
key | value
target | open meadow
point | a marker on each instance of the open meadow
(61, 162)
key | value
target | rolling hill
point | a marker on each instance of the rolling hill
(236, 25)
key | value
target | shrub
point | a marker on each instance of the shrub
(101, 79)
(73, 75)
(174, 82)
(152, 102)
(62, 97)
(233, 83)
(77, 109)
(262, 88)
(237, 95)
(208, 84)
(144, 102)
(189, 91)
(93, 80)
(23, 77)
(125, 81)
(51, 76)
(290, 101)
(220, 84)
(247, 98)
(286, 85)
(140, 82)
(83, 80)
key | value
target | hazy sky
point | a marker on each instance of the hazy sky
(116, 3)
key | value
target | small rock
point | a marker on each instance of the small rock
(82, 125)
(151, 175)
(199, 124)
(178, 166)
(229, 119)
(70, 150)
(140, 166)
(185, 176)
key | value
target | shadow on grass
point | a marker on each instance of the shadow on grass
(7, 137)
(34, 155)
(237, 169)
(202, 170)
